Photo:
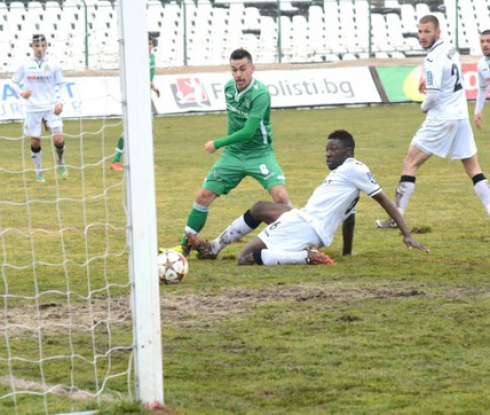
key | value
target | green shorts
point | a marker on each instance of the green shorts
(230, 169)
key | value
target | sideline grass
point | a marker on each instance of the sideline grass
(387, 330)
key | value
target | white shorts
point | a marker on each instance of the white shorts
(289, 233)
(443, 137)
(34, 120)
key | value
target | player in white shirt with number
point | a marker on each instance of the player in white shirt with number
(447, 129)
(483, 71)
(293, 235)
(37, 80)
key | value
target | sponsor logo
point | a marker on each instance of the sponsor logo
(231, 108)
(37, 77)
(430, 78)
(370, 178)
(190, 93)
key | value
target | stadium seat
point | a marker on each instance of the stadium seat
(16, 20)
(155, 16)
(421, 10)
(332, 57)
(300, 35)
(481, 13)
(409, 20)
(103, 18)
(394, 28)
(235, 23)
(397, 55)
(171, 51)
(286, 39)
(268, 40)
(35, 9)
(348, 20)
(218, 50)
(380, 36)
(362, 23)
(332, 27)
(392, 4)
(317, 33)
(468, 28)
(310, 32)
(251, 19)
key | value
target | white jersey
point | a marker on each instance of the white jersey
(42, 77)
(443, 74)
(483, 71)
(336, 198)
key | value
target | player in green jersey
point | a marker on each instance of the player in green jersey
(248, 149)
(116, 162)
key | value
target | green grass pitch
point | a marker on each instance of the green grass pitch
(385, 331)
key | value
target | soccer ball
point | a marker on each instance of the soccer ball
(172, 267)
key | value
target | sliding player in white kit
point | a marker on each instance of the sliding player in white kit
(37, 80)
(483, 71)
(447, 129)
(293, 235)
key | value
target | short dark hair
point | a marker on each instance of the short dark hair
(153, 39)
(430, 18)
(345, 137)
(241, 53)
(38, 37)
(485, 32)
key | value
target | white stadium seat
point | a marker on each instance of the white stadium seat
(310, 32)
(268, 39)
(301, 47)
(421, 10)
(409, 19)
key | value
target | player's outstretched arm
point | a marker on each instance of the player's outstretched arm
(480, 102)
(348, 234)
(390, 208)
(245, 134)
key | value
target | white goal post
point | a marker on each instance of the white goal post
(80, 324)
(142, 237)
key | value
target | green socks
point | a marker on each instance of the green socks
(119, 150)
(195, 221)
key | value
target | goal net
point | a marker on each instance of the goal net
(79, 319)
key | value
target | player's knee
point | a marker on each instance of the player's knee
(279, 195)
(205, 197)
(258, 208)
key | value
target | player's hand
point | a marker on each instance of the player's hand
(26, 94)
(413, 244)
(478, 120)
(155, 89)
(209, 147)
(58, 108)
(422, 85)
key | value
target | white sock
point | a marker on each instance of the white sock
(403, 193)
(482, 189)
(36, 160)
(273, 257)
(232, 233)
